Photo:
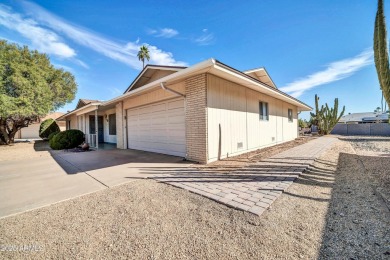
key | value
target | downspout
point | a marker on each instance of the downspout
(162, 84)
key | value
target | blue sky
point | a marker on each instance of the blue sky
(319, 47)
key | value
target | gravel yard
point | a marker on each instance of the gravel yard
(374, 155)
(24, 150)
(331, 211)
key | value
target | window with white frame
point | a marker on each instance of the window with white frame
(263, 111)
(290, 115)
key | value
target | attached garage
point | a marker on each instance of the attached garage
(158, 127)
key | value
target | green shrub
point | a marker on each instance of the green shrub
(52, 135)
(47, 127)
(67, 140)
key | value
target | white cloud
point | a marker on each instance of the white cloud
(81, 63)
(41, 38)
(335, 71)
(125, 53)
(206, 38)
(164, 32)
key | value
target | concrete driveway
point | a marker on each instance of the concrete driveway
(34, 183)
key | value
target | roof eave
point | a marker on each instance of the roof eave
(78, 110)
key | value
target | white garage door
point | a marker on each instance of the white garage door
(159, 127)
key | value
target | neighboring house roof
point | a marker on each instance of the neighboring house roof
(151, 73)
(364, 117)
(83, 102)
(262, 75)
(53, 115)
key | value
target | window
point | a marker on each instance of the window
(112, 124)
(290, 115)
(263, 111)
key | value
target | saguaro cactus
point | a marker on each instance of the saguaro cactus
(381, 54)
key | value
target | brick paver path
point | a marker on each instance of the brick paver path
(255, 187)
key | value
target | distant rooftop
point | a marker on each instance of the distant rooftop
(364, 117)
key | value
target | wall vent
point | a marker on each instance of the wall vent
(273, 139)
(240, 145)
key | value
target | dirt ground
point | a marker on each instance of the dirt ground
(24, 150)
(330, 212)
(374, 155)
(255, 156)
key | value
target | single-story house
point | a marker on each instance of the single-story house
(32, 131)
(204, 112)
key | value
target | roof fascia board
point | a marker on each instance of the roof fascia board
(151, 67)
(96, 104)
(253, 70)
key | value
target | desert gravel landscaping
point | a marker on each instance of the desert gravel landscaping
(24, 150)
(331, 211)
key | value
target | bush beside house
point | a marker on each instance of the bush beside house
(48, 127)
(67, 139)
(52, 135)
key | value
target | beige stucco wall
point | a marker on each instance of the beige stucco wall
(156, 95)
(158, 74)
(120, 126)
(233, 121)
(107, 137)
(73, 122)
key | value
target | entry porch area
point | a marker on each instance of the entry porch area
(97, 123)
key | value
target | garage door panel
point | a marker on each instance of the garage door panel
(175, 104)
(158, 127)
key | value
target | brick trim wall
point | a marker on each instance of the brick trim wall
(196, 118)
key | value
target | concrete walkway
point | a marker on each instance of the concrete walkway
(253, 188)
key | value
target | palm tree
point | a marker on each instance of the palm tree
(143, 54)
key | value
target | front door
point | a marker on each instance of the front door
(100, 127)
